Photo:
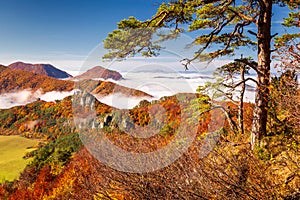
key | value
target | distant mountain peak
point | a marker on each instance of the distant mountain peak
(100, 72)
(42, 69)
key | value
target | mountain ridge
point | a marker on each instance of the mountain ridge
(42, 69)
(100, 72)
(16, 80)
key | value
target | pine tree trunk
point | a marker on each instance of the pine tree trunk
(241, 103)
(259, 126)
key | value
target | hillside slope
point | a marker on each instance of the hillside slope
(2, 68)
(16, 80)
(65, 169)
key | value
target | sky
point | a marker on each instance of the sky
(65, 32)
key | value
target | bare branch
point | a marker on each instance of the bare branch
(226, 113)
(274, 35)
(252, 33)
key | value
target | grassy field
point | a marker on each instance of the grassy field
(12, 150)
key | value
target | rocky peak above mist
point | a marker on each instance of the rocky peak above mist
(42, 69)
(100, 72)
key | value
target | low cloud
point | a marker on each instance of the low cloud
(9, 100)
(121, 101)
(54, 95)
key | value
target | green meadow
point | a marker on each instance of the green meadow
(12, 150)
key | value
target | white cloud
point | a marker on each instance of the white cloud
(9, 100)
(121, 101)
(54, 95)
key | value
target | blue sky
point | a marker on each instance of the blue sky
(39, 29)
(63, 32)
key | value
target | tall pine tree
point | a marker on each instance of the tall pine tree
(224, 22)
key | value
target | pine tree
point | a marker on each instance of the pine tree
(225, 21)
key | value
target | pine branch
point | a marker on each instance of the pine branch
(241, 82)
(244, 17)
(251, 64)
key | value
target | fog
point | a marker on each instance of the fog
(118, 100)
(170, 83)
(158, 84)
(9, 100)
(54, 95)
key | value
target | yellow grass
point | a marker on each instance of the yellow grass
(12, 150)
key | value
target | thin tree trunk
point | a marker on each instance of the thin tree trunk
(259, 126)
(241, 103)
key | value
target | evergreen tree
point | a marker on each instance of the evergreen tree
(224, 22)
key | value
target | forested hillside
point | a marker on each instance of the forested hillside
(16, 80)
